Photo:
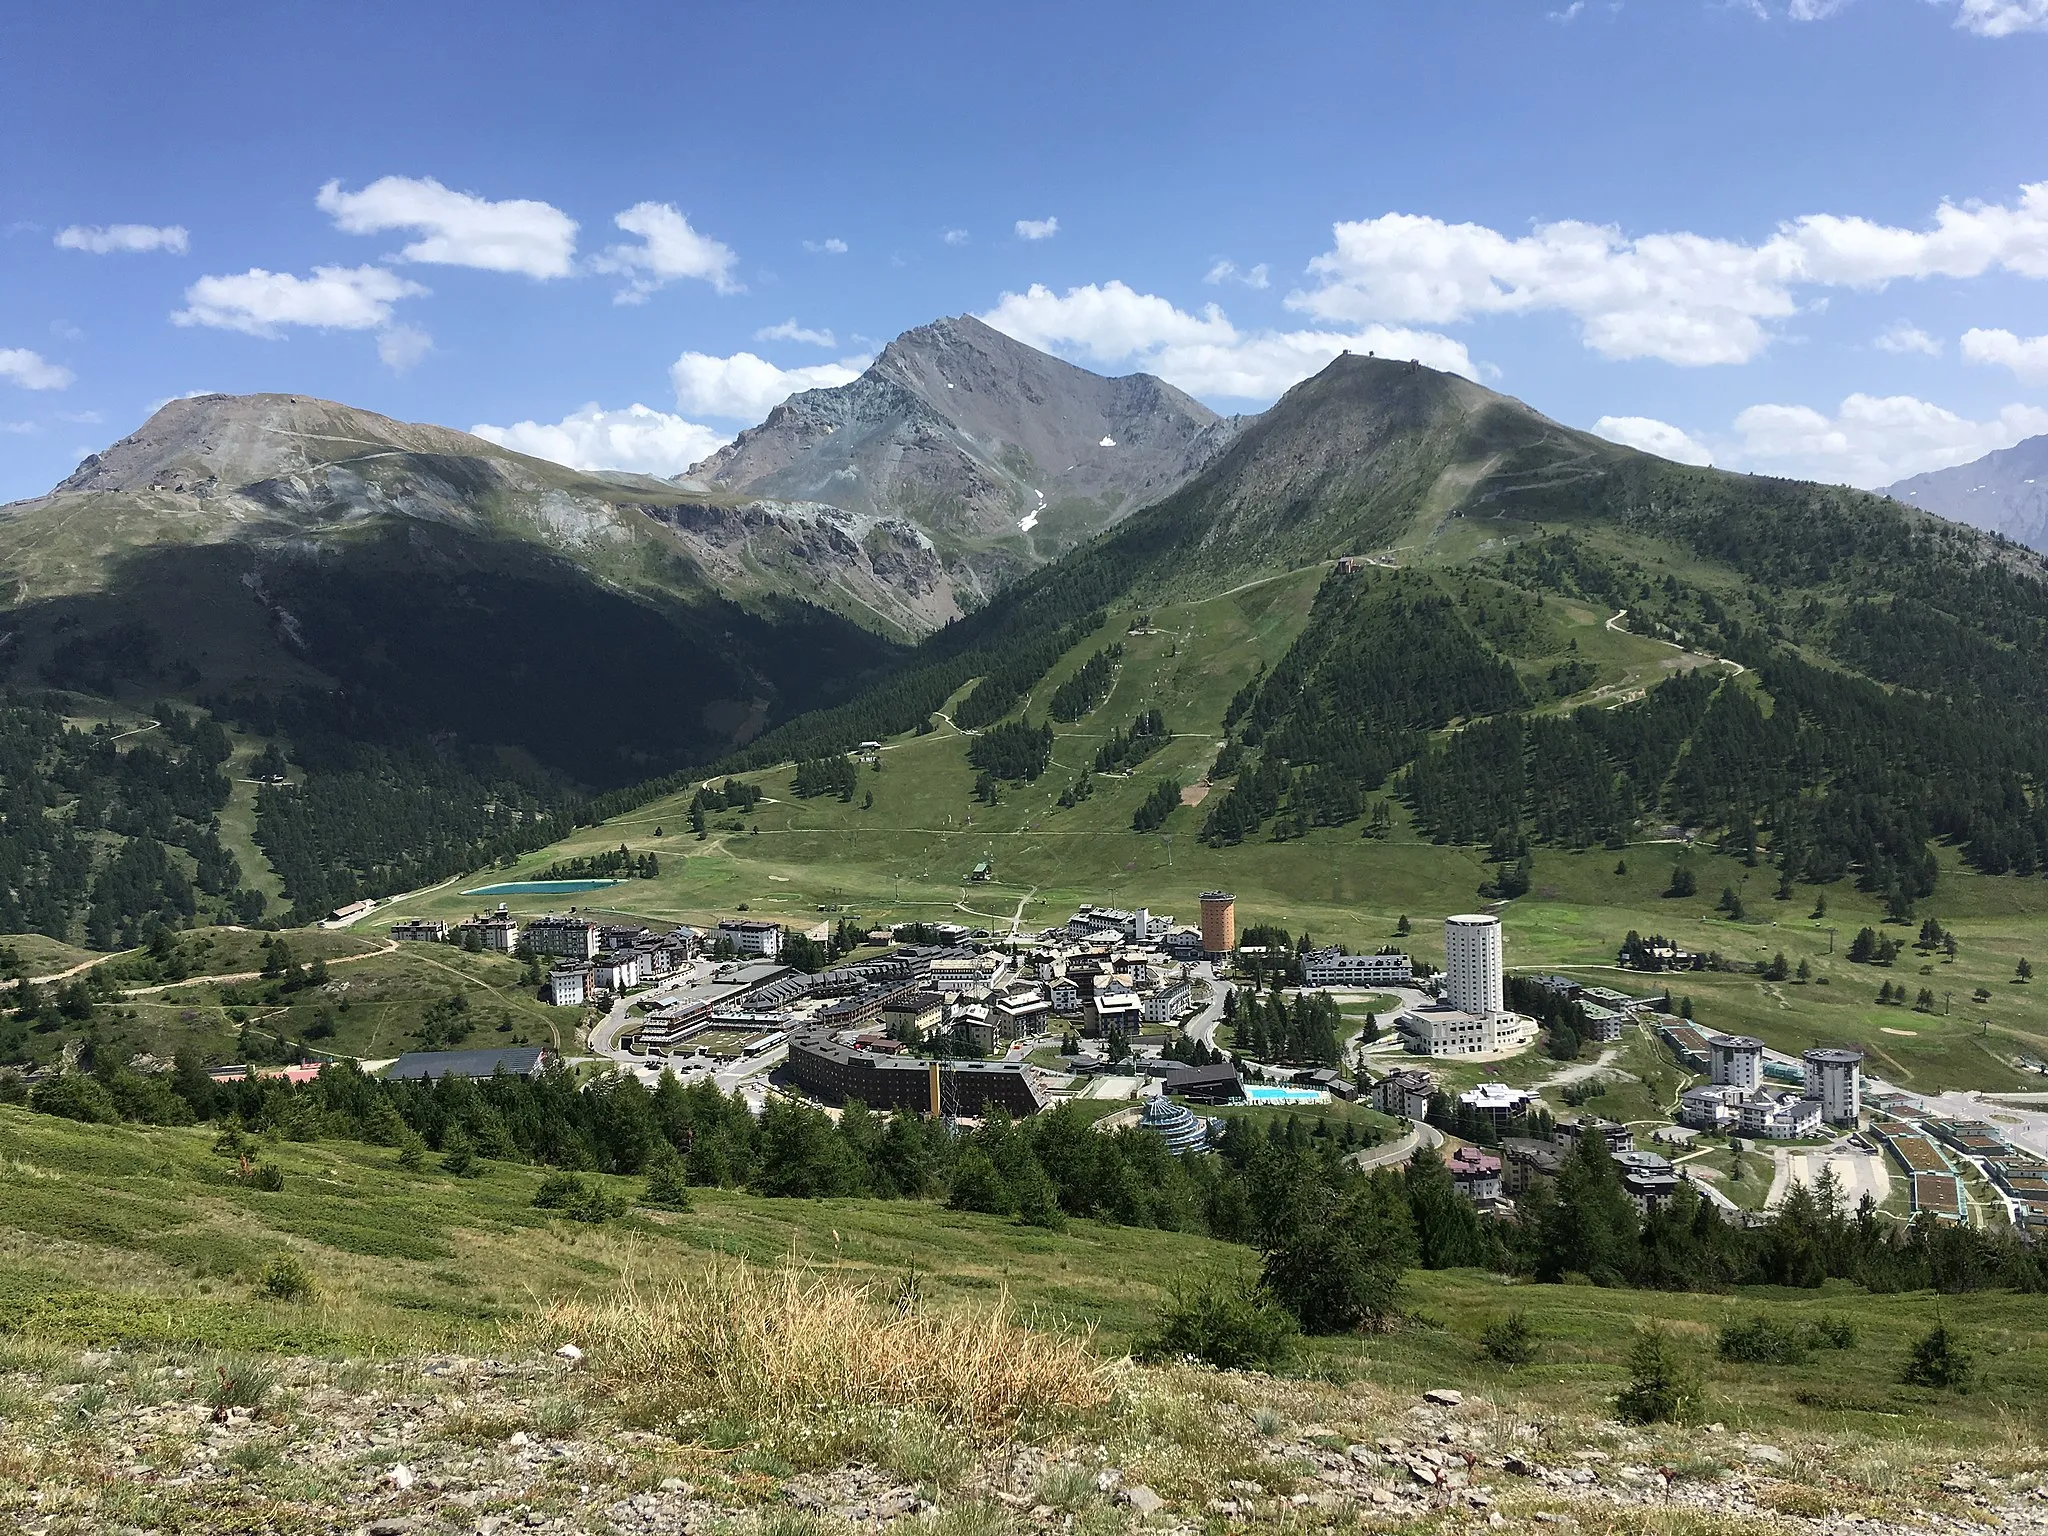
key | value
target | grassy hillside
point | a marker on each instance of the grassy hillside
(138, 1234)
(133, 1298)
(908, 856)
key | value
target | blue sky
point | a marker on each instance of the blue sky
(1796, 236)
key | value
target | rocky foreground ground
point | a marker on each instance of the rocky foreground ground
(110, 1442)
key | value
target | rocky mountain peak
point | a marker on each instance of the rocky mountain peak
(1005, 454)
(2004, 492)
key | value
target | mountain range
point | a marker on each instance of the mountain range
(2004, 492)
(611, 627)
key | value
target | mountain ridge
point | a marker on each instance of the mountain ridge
(271, 543)
(2004, 492)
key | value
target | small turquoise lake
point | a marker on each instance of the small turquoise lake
(540, 888)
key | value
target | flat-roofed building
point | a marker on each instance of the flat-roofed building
(752, 936)
(1649, 1179)
(915, 1010)
(569, 986)
(573, 938)
(836, 1073)
(1115, 1006)
(1444, 1031)
(1332, 967)
(1473, 976)
(1735, 1061)
(1834, 1075)
(1219, 923)
(1604, 1025)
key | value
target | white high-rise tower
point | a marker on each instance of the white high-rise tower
(1834, 1075)
(1472, 964)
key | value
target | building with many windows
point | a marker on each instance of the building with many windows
(573, 938)
(1219, 923)
(1474, 981)
(1405, 1091)
(1735, 1061)
(1333, 968)
(1497, 1102)
(1169, 1001)
(752, 936)
(1453, 1032)
(1834, 1076)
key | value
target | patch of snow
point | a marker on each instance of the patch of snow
(1107, 442)
(1030, 519)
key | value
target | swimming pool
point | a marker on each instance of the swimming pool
(540, 888)
(1262, 1093)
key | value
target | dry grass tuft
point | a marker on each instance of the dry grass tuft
(774, 1346)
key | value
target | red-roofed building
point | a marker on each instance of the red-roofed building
(1476, 1173)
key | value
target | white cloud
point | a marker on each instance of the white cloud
(1569, 14)
(831, 246)
(1815, 10)
(163, 400)
(745, 387)
(102, 239)
(1872, 440)
(1685, 298)
(2002, 18)
(1037, 229)
(954, 237)
(401, 346)
(81, 418)
(1907, 337)
(1226, 270)
(29, 369)
(333, 298)
(19, 428)
(458, 229)
(2026, 356)
(669, 248)
(789, 330)
(638, 438)
(1111, 323)
(1653, 436)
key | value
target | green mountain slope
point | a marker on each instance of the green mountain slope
(255, 545)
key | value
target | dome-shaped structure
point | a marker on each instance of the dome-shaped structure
(1183, 1130)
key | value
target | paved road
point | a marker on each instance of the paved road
(1419, 1135)
(1203, 1025)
